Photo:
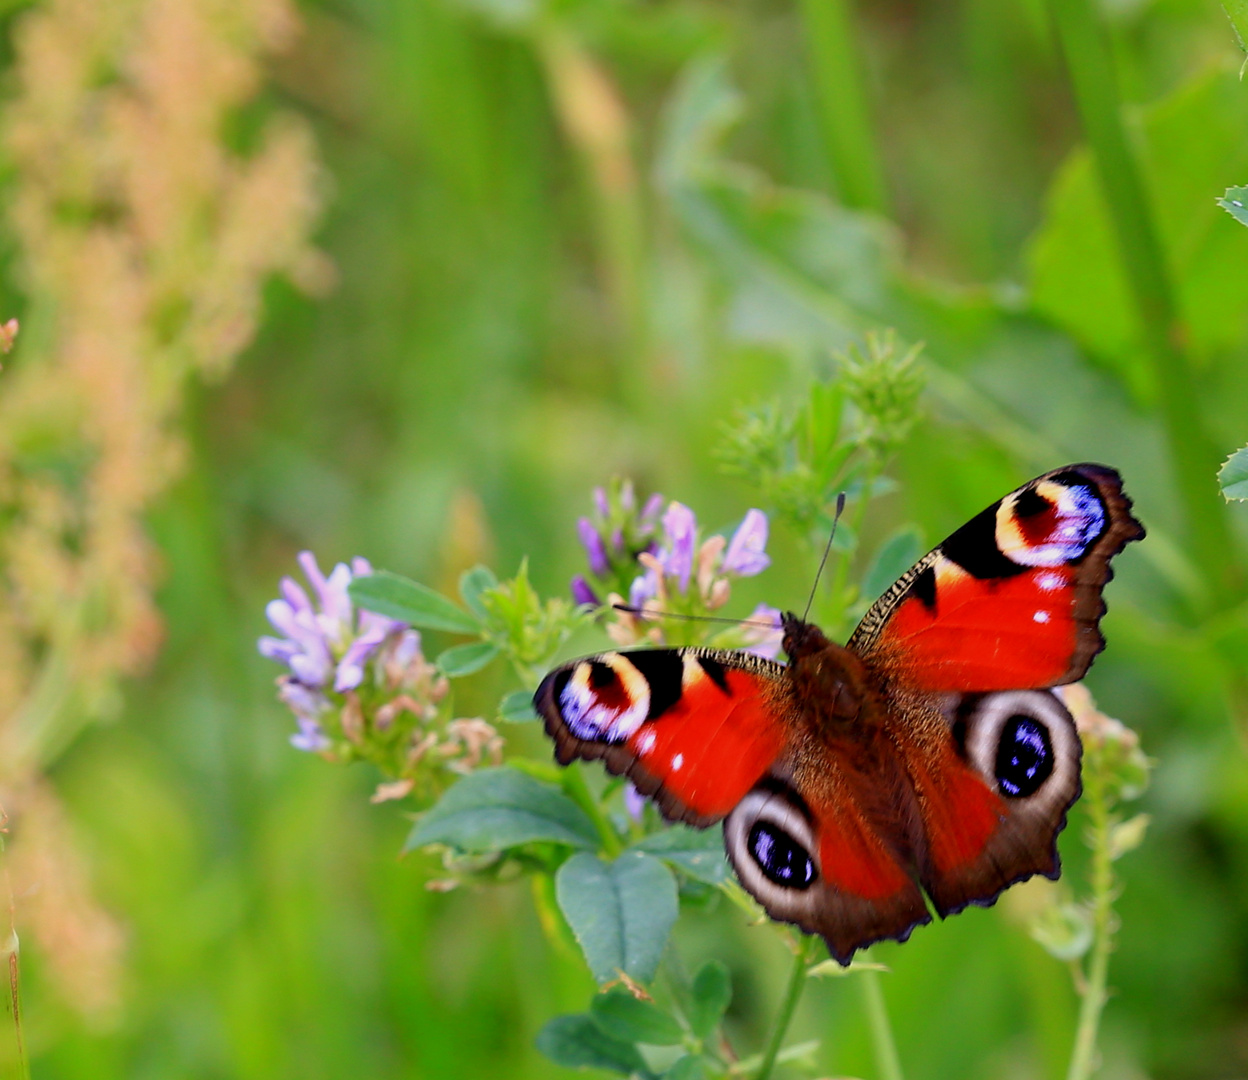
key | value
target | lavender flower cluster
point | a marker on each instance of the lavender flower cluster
(678, 573)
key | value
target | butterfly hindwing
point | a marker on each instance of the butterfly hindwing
(1013, 598)
(825, 844)
(693, 728)
(993, 777)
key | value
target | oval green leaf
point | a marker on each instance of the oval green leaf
(709, 996)
(494, 809)
(1233, 476)
(689, 1067)
(621, 912)
(698, 852)
(896, 555)
(472, 583)
(625, 1017)
(1235, 203)
(517, 708)
(466, 659)
(401, 598)
(576, 1042)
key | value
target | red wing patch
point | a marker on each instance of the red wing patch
(695, 729)
(960, 812)
(984, 634)
(711, 747)
(854, 858)
(1012, 600)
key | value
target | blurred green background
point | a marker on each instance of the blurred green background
(570, 240)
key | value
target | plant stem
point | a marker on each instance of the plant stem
(596, 122)
(842, 104)
(886, 1059)
(797, 983)
(574, 784)
(1194, 455)
(1094, 990)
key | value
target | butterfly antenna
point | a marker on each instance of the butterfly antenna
(840, 509)
(640, 612)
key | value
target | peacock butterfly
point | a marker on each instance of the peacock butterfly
(928, 754)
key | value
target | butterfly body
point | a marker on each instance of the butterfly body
(927, 755)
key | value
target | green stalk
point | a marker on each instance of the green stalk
(1094, 991)
(886, 1059)
(597, 124)
(574, 784)
(1193, 453)
(797, 983)
(843, 112)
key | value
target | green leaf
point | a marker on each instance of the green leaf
(896, 555)
(630, 1019)
(576, 1042)
(1233, 476)
(1237, 12)
(1189, 143)
(466, 659)
(698, 852)
(1063, 930)
(803, 266)
(1127, 835)
(401, 598)
(834, 969)
(709, 997)
(517, 708)
(492, 809)
(472, 583)
(689, 1067)
(1235, 203)
(621, 912)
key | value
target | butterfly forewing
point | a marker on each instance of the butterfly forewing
(1012, 599)
(694, 728)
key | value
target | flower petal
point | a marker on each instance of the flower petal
(592, 541)
(582, 593)
(279, 649)
(764, 640)
(310, 737)
(745, 554)
(681, 528)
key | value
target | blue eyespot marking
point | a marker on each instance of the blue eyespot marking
(781, 858)
(1024, 757)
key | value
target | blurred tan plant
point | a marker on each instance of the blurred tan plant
(145, 239)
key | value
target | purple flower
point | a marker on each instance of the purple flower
(310, 737)
(634, 801)
(324, 645)
(592, 541)
(681, 528)
(745, 555)
(643, 588)
(764, 632)
(650, 512)
(582, 593)
(601, 504)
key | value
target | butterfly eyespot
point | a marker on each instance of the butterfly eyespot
(781, 858)
(1018, 740)
(1024, 756)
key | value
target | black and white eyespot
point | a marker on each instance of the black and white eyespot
(1069, 512)
(772, 846)
(605, 698)
(1024, 743)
